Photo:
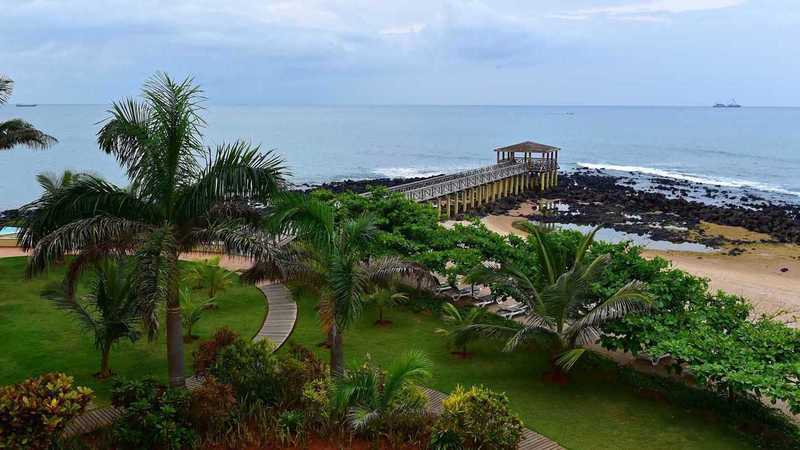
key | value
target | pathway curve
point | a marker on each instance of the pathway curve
(277, 327)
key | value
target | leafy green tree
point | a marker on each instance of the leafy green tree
(209, 275)
(464, 326)
(385, 297)
(373, 398)
(179, 195)
(110, 311)
(564, 308)
(17, 131)
(329, 257)
(192, 311)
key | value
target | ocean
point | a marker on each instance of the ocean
(751, 149)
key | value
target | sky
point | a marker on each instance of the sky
(476, 52)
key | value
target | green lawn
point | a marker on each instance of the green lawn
(592, 412)
(35, 337)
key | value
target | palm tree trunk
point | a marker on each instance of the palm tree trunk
(337, 353)
(105, 370)
(174, 329)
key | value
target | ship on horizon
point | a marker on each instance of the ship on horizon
(26, 105)
(732, 104)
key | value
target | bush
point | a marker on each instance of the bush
(317, 404)
(479, 418)
(212, 405)
(34, 413)
(252, 369)
(153, 417)
(297, 368)
(206, 354)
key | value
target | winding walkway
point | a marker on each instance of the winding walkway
(277, 327)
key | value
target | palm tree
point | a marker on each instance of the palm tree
(464, 326)
(328, 257)
(372, 398)
(17, 131)
(51, 182)
(192, 311)
(384, 297)
(178, 195)
(208, 274)
(110, 312)
(562, 306)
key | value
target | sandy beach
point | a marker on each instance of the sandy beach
(767, 274)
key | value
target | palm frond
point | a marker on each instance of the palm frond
(568, 359)
(586, 242)
(19, 132)
(411, 367)
(633, 297)
(6, 88)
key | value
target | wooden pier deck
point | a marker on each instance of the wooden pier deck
(516, 170)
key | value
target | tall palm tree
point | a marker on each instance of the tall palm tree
(328, 256)
(110, 311)
(178, 194)
(17, 131)
(562, 306)
(51, 182)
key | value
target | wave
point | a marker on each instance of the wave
(700, 179)
(411, 172)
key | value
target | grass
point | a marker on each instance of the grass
(591, 412)
(36, 337)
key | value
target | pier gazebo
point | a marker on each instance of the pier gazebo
(520, 167)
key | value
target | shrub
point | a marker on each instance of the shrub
(479, 418)
(316, 402)
(297, 368)
(153, 417)
(206, 353)
(290, 426)
(33, 413)
(252, 369)
(212, 405)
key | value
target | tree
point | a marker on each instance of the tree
(17, 131)
(329, 257)
(384, 297)
(563, 307)
(464, 326)
(51, 182)
(209, 275)
(179, 195)
(192, 311)
(110, 311)
(373, 398)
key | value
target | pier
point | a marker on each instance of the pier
(520, 167)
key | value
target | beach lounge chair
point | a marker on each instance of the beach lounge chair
(457, 294)
(484, 301)
(515, 313)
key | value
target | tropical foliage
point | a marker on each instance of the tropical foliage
(192, 310)
(179, 194)
(385, 297)
(378, 402)
(16, 132)
(34, 413)
(110, 311)
(464, 326)
(207, 274)
(563, 307)
(329, 257)
(476, 418)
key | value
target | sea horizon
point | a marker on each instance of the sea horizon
(750, 149)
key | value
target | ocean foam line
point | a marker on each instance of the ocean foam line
(411, 172)
(716, 181)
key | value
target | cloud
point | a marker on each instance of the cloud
(647, 11)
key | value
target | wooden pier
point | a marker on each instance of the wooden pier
(521, 167)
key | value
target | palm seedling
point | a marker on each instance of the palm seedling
(464, 327)
(192, 311)
(110, 311)
(207, 274)
(382, 298)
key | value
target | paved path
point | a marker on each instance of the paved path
(278, 326)
(281, 316)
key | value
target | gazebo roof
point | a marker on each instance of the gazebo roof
(529, 147)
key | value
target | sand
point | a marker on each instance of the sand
(757, 274)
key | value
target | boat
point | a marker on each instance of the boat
(732, 104)
(26, 105)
